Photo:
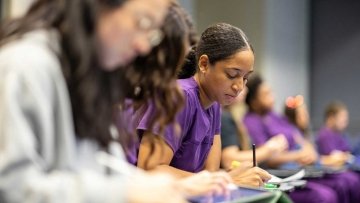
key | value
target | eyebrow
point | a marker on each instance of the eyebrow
(239, 69)
(235, 68)
(250, 72)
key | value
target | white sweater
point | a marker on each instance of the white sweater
(40, 159)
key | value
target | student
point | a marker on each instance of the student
(59, 83)
(263, 123)
(178, 33)
(224, 59)
(235, 142)
(331, 138)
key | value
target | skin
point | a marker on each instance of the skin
(126, 32)
(338, 122)
(302, 117)
(265, 99)
(221, 82)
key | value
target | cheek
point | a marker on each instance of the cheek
(343, 122)
(268, 101)
(217, 86)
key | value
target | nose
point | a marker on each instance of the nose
(142, 44)
(238, 85)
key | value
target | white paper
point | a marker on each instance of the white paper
(297, 176)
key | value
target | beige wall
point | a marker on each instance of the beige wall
(247, 15)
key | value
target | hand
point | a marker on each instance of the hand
(253, 176)
(335, 159)
(154, 188)
(277, 144)
(307, 156)
(206, 183)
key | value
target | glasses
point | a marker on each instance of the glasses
(154, 35)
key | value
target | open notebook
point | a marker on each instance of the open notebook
(297, 176)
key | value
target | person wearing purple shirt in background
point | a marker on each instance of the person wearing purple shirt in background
(262, 124)
(331, 138)
(222, 60)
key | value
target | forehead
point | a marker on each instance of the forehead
(243, 60)
(342, 112)
(264, 88)
(151, 8)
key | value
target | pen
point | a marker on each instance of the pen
(254, 155)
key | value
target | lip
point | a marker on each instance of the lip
(230, 97)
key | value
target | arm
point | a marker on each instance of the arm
(232, 153)
(305, 156)
(213, 160)
(160, 158)
(273, 146)
(335, 158)
(252, 176)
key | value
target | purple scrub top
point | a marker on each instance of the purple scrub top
(191, 145)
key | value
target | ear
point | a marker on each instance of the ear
(203, 63)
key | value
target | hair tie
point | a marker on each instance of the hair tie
(294, 102)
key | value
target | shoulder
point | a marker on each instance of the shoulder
(191, 91)
(251, 118)
(32, 53)
(29, 65)
(323, 133)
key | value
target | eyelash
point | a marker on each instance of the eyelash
(246, 78)
(231, 77)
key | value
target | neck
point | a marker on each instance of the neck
(205, 100)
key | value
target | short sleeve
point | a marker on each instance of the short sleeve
(173, 132)
(217, 119)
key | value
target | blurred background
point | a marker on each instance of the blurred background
(308, 47)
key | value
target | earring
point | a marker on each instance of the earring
(137, 90)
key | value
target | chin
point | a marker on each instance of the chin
(112, 65)
(226, 103)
